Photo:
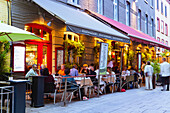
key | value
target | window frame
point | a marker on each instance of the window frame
(139, 19)
(162, 8)
(165, 11)
(117, 9)
(158, 24)
(162, 26)
(166, 43)
(158, 38)
(157, 7)
(146, 24)
(166, 28)
(100, 7)
(152, 26)
(128, 11)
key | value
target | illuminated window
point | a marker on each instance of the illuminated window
(71, 36)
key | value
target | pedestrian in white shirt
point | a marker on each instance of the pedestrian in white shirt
(110, 64)
(165, 73)
(148, 71)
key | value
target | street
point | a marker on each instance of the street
(131, 101)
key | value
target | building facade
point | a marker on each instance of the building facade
(162, 16)
(5, 12)
(60, 36)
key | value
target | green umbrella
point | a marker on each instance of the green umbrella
(11, 33)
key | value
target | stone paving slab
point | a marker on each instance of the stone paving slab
(131, 101)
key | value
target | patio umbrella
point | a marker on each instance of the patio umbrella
(11, 33)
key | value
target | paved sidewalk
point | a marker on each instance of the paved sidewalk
(131, 101)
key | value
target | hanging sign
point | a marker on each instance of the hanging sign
(19, 59)
(103, 58)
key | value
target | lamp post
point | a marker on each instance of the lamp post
(139, 60)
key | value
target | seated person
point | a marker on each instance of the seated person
(109, 71)
(61, 71)
(74, 71)
(92, 72)
(42, 68)
(49, 86)
(125, 73)
(48, 78)
(71, 80)
(84, 69)
(32, 72)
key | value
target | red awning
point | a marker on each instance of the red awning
(135, 35)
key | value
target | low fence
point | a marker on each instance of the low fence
(7, 99)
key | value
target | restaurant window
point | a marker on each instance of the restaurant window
(115, 9)
(128, 13)
(44, 55)
(100, 6)
(165, 11)
(146, 24)
(157, 4)
(139, 19)
(166, 29)
(158, 24)
(162, 7)
(162, 26)
(31, 54)
(152, 27)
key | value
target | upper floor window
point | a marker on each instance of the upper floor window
(146, 24)
(166, 29)
(162, 7)
(115, 9)
(158, 39)
(100, 6)
(162, 26)
(152, 27)
(128, 13)
(158, 24)
(151, 2)
(166, 43)
(139, 19)
(165, 11)
(157, 4)
(163, 41)
(74, 1)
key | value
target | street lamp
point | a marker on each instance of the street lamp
(139, 59)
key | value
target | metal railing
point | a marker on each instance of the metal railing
(7, 99)
(28, 90)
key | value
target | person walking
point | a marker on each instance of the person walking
(148, 71)
(165, 73)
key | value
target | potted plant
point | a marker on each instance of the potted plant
(4, 66)
(156, 71)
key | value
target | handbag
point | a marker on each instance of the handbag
(146, 74)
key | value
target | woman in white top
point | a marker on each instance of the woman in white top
(148, 71)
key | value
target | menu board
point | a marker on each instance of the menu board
(60, 55)
(19, 58)
(103, 58)
(139, 62)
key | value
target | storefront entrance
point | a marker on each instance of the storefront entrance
(39, 51)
